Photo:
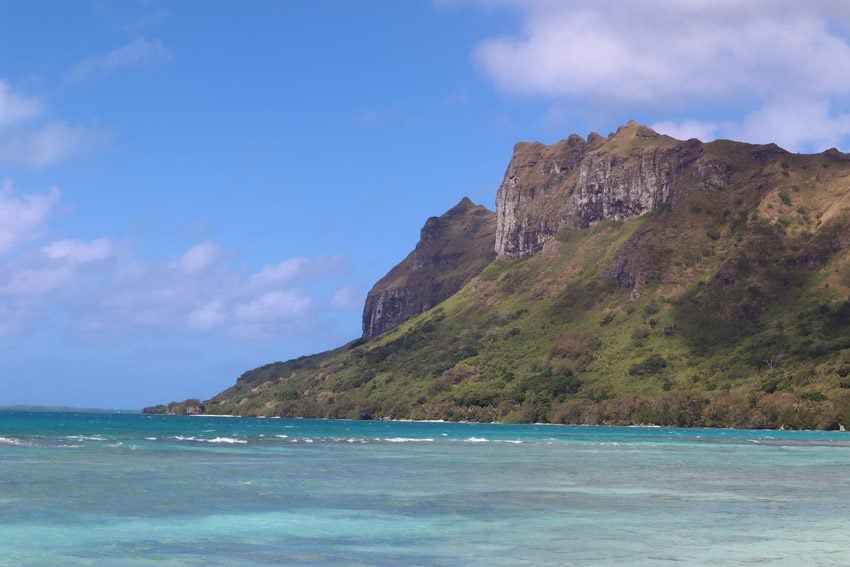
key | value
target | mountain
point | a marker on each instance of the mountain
(452, 249)
(637, 279)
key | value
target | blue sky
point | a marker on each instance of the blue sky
(191, 189)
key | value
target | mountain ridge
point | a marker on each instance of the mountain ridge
(636, 279)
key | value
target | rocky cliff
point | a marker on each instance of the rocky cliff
(452, 249)
(577, 182)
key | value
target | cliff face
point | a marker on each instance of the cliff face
(577, 182)
(452, 249)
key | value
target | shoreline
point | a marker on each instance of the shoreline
(445, 421)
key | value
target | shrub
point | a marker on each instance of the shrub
(651, 309)
(649, 366)
(576, 345)
(813, 396)
(640, 333)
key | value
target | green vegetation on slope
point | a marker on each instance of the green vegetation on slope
(729, 308)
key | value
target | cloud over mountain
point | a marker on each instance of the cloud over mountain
(763, 60)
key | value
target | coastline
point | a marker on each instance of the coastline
(504, 423)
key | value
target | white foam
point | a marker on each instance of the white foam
(477, 440)
(11, 441)
(408, 440)
(282, 436)
(85, 437)
(151, 438)
(228, 440)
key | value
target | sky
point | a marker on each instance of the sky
(191, 189)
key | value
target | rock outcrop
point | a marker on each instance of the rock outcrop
(453, 249)
(577, 182)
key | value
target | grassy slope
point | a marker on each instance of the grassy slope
(742, 320)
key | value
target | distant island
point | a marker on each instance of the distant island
(627, 279)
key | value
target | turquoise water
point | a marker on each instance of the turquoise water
(113, 489)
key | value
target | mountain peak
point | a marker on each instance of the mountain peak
(464, 205)
(632, 130)
(453, 248)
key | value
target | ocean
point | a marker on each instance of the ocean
(129, 489)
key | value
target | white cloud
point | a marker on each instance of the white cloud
(199, 257)
(273, 306)
(44, 145)
(280, 273)
(675, 57)
(101, 286)
(202, 291)
(207, 316)
(794, 125)
(687, 129)
(297, 269)
(34, 282)
(38, 274)
(23, 217)
(15, 107)
(141, 51)
(346, 297)
(656, 51)
(78, 253)
(29, 139)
